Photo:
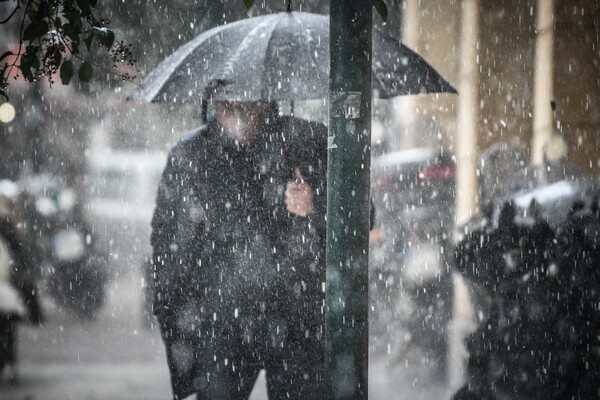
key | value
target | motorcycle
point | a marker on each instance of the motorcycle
(411, 286)
(74, 271)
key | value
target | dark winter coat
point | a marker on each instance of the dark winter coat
(230, 262)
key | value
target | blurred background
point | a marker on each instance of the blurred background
(80, 166)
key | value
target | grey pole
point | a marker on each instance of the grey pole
(348, 204)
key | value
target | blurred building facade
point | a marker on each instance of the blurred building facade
(496, 78)
(500, 71)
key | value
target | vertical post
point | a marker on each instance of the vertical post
(348, 204)
(466, 142)
(543, 79)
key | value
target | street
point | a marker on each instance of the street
(117, 357)
(114, 357)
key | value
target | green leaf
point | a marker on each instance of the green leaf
(248, 3)
(74, 17)
(72, 32)
(88, 41)
(86, 71)
(3, 77)
(84, 6)
(381, 9)
(3, 83)
(36, 63)
(6, 54)
(28, 60)
(106, 37)
(26, 70)
(35, 30)
(66, 72)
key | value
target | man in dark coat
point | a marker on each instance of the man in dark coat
(238, 238)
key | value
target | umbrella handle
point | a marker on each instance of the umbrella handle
(215, 83)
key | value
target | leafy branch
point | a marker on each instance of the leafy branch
(52, 34)
(51, 38)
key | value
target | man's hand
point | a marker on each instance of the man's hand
(299, 196)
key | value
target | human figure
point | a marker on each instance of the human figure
(19, 301)
(238, 238)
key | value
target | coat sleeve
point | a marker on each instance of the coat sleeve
(311, 157)
(165, 254)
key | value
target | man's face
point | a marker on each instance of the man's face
(241, 120)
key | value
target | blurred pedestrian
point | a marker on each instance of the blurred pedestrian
(238, 238)
(18, 295)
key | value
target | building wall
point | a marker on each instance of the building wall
(439, 35)
(577, 79)
(507, 51)
(506, 47)
(433, 32)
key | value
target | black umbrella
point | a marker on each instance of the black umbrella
(282, 56)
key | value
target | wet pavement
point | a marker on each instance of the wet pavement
(113, 357)
(117, 357)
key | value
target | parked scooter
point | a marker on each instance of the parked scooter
(427, 290)
(75, 272)
(411, 286)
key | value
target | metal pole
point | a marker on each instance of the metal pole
(348, 204)
(543, 80)
(468, 108)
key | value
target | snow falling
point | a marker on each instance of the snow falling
(163, 225)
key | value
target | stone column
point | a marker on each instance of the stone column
(406, 105)
(543, 79)
(466, 135)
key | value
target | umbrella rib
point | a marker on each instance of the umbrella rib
(246, 42)
(268, 46)
(285, 18)
(165, 69)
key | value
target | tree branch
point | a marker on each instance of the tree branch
(12, 14)
(23, 25)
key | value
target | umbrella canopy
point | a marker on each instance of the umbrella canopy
(282, 56)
